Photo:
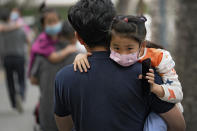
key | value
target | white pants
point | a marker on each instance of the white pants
(154, 123)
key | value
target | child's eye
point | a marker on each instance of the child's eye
(130, 48)
(116, 48)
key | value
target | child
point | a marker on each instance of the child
(128, 46)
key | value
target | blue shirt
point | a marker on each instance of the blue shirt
(107, 98)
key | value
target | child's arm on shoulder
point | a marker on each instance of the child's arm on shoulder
(172, 86)
(81, 62)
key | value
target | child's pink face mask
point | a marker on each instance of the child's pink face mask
(124, 60)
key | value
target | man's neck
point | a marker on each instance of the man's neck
(98, 48)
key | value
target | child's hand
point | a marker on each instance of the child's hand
(81, 62)
(155, 88)
(150, 77)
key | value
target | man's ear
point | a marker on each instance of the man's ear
(79, 38)
(82, 42)
(142, 47)
(143, 44)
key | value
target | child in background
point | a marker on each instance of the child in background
(67, 35)
(128, 46)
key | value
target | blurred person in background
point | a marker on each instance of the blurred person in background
(16, 21)
(13, 56)
(44, 44)
(54, 48)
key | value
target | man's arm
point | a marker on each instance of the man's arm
(9, 27)
(62, 108)
(174, 119)
(168, 111)
(64, 123)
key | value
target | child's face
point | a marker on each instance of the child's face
(51, 19)
(123, 45)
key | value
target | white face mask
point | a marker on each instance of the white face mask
(53, 30)
(124, 60)
(14, 16)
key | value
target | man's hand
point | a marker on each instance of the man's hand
(64, 123)
(34, 80)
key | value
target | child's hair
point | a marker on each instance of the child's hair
(44, 11)
(129, 27)
(67, 30)
(132, 27)
(150, 44)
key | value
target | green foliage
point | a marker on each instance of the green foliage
(34, 11)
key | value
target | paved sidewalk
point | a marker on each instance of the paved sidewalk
(11, 120)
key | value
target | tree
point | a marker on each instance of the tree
(122, 6)
(186, 58)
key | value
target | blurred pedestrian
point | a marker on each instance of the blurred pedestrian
(44, 45)
(54, 48)
(16, 21)
(13, 55)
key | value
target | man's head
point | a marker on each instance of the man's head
(91, 19)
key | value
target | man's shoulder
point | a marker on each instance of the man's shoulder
(67, 73)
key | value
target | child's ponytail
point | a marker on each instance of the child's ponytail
(42, 7)
(150, 44)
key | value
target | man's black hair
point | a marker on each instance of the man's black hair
(92, 19)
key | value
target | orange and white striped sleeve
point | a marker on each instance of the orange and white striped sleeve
(172, 86)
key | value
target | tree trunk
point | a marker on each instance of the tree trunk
(186, 58)
(123, 6)
(158, 25)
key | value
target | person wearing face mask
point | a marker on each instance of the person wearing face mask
(54, 48)
(17, 22)
(128, 46)
(45, 43)
(13, 56)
